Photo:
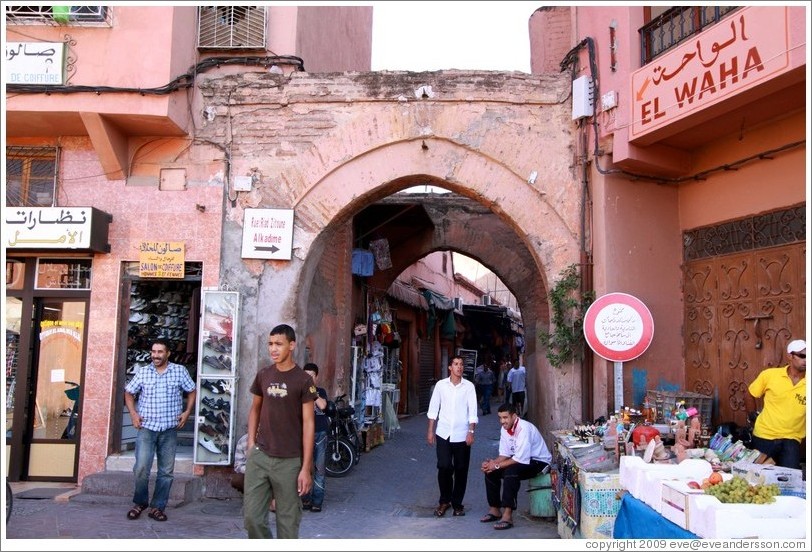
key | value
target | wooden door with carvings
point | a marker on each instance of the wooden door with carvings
(740, 311)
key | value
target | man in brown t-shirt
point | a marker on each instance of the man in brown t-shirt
(280, 441)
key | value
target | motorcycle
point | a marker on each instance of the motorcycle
(343, 441)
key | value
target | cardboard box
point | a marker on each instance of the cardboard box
(783, 519)
(676, 501)
(790, 481)
(645, 481)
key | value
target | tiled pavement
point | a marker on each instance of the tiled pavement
(391, 494)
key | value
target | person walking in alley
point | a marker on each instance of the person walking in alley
(280, 440)
(517, 378)
(523, 454)
(453, 409)
(484, 381)
(157, 416)
(313, 500)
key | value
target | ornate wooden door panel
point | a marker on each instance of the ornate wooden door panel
(740, 312)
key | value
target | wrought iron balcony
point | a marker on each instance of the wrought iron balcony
(670, 28)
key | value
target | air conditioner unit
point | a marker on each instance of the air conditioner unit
(486, 300)
(458, 303)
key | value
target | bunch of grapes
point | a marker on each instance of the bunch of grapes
(737, 490)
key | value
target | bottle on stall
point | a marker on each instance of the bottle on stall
(610, 435)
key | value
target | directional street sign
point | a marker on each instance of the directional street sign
(267, 234)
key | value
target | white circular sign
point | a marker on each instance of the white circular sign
(618, 327)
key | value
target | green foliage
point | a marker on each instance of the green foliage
(569, 307)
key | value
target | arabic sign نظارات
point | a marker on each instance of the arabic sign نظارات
(160, 259)
(48, 227)
(34, 62)
(618, 327)
(728, 58)
(267, 234)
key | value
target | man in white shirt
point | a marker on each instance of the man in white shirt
(453, 408)
(517, 377)
(523, 454)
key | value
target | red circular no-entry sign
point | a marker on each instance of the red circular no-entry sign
(618, 327)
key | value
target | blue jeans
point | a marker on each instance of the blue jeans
(148, 444)
(785, 452)
(487, 390)
(316, 496)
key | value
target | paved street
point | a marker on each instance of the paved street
(391, 494)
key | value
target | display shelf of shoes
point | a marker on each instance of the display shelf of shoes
(158, 310)
(216, 385)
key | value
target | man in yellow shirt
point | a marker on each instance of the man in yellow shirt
(781, 425)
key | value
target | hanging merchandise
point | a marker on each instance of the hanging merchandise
(363, 262)
(373, 369)
(380, 248)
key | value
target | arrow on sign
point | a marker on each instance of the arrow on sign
(642, 89)
(272, 249)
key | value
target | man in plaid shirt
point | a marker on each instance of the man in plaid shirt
(160, 387)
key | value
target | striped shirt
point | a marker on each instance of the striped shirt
(160, 396)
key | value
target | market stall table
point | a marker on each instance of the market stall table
(587, 501)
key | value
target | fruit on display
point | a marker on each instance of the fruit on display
(715, 478)
(694, 485)
(738, 491)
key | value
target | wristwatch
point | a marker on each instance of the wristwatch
(471, 431)
(496, 466)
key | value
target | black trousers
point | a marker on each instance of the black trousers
(506, 482)
(452, 470)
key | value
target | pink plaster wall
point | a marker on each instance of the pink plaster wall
(139, 213)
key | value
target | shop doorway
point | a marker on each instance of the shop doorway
(153, 308)
(44, 370)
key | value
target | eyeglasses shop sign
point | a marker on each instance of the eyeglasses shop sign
(267, 234)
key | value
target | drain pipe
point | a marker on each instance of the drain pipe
(587, 366)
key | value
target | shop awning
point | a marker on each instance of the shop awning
(407, 294)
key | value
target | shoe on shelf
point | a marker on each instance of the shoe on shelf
(208, 444)
(213, 386)
(208, 430)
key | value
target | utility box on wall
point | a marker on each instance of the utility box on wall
(583, 98)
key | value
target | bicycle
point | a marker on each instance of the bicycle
(343, 442)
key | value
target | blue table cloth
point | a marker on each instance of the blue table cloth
(638, 520)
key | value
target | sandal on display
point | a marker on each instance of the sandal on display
(441, 509)
(157, 514)
(502, 525)
(489, 517)
(135, 511)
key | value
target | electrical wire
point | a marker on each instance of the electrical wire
(180, 82)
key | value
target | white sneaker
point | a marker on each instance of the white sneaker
(208, 444)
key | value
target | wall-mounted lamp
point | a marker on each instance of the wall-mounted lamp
(201, 208)
(532, 178)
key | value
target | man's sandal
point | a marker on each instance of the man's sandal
(135, 511)
(502, 525)
(489, 517)
(157, 515)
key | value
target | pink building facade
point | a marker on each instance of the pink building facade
(698, 210)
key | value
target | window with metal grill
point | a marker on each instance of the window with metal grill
(30, 176)
(58, 15)
(231, 27)
(668, 27)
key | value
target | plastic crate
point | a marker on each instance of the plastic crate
(702, 403)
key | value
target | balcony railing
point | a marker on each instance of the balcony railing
(88, 16)
(675, 25)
